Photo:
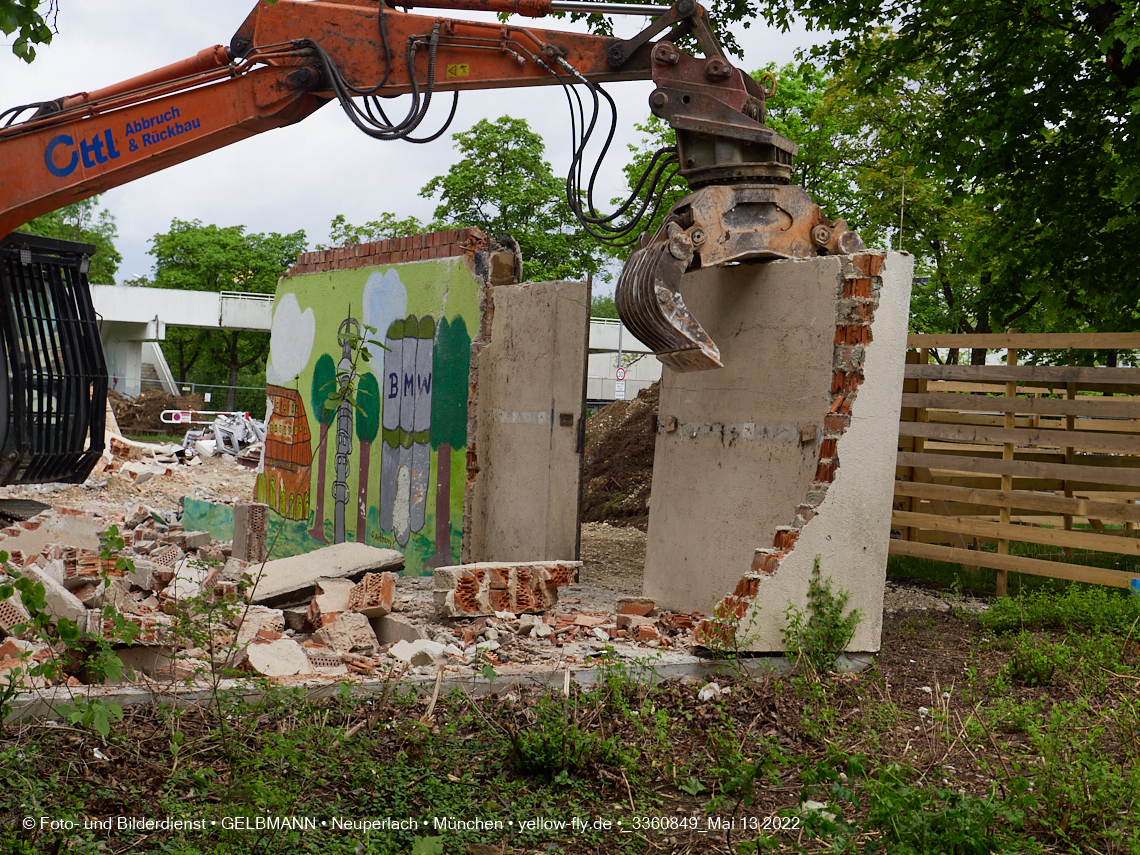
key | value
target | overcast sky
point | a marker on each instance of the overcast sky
(300, 177)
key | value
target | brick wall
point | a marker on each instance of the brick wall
(446, 244)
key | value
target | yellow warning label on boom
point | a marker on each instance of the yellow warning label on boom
(459, 70)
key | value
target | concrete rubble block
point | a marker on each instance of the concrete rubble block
(52, 568)
(280, 658)
(255, 619)
(142, 576)
(373, 595)
(19, 655)
(391, 629)
(423, 652)
(635, 605)
(60, 602)
(197, 539)
(469, 590)
(331, 596)
(135, 515)
(347, 632)
(143, 660)
(291, 581)
(296, 618)
(236, 570)
(191, 579)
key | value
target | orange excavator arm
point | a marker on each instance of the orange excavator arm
(290, 58)
(274, 73)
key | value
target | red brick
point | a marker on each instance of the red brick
(835, 424)
(785, 538)
(748, 586)
(857, 288)
(825, 470)
(827, 448)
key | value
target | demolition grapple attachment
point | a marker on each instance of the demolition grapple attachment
(742, 209)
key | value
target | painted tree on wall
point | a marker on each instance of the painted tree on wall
(448, 422)
(324, 383)
(367, 426)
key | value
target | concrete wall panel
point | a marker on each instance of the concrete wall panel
(524, 500)
(785, 454)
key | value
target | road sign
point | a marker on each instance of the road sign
(621, 374)
(619, 390)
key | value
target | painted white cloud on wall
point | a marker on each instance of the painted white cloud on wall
(385, 300)
(291, 340)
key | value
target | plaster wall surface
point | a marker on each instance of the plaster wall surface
(530, 383)
(716, 497)
(759, 425)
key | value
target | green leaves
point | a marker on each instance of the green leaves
(24, 18)
(504, 186)
(84, 222)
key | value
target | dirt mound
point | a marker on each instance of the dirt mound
(619, 460)
(141, 415)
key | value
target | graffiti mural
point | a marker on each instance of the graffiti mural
(321, 478)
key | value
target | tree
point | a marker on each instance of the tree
(1037, 128)
(603, 307)
(212, 258)
(324, 385)
(87, 223)
(367, 426)
(451, 361)
(343, 233)
(504, 185)
(32, 27)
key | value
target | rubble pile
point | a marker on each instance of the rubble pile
(337, 613)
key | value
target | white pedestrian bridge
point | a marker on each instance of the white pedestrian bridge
(134, 319)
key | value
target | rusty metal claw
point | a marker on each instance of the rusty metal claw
(726, 224)
(650, 304)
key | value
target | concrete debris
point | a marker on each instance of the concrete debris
(347, 631)
(390, 629)
(423, 652)
(330, 597)
(291, 581)
(259, 622)
(280, 658)
(467, 590)
(336, 613)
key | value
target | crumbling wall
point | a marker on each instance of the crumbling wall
(528, 387)
(785, 454)
(387, 468)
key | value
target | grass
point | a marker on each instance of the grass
(1017, 732)
(157, 437)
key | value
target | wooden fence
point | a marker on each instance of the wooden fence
(1022, 454)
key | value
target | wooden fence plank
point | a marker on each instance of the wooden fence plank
(1023, 436)
(1025, 374)
(999, 531)
(1015, 563)
(1105, 408)
(987, 452)
(1021, 501)
(1028, 341)
(1021, 468)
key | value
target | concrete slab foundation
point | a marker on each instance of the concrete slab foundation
(785, 454)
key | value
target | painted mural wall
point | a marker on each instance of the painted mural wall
(388, 469)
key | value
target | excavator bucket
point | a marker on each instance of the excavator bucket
(53, 399)
(715, 226)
